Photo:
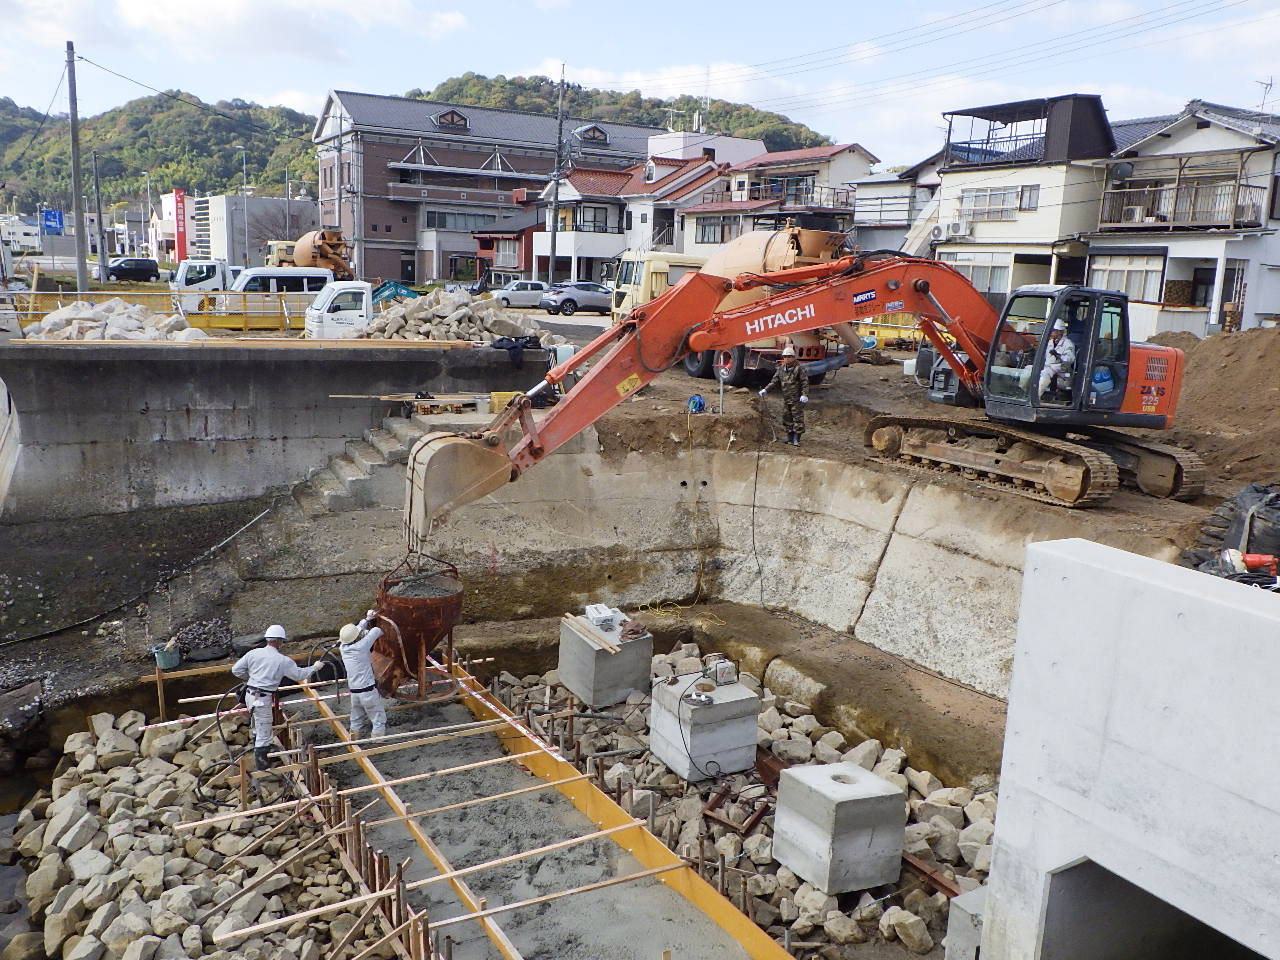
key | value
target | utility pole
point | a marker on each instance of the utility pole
(102, 236)
(146, 220)
(244, 193)
(555, 183)
(288, 221)
(77, 198)
(338, 184)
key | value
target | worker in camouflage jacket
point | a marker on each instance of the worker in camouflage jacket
(790, 376)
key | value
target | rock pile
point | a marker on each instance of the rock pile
(110, 879)
(455, 315)
(113, 319)
(951, 828)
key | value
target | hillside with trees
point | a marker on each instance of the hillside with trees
(538, 95)
(183, 142)
(180, 143)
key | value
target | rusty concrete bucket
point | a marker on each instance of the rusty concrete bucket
(418, 606)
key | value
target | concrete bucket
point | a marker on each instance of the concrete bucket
(445, 472)
(418, 608)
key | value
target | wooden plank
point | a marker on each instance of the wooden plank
(558, 895)
(489, 727)
(363, 788)
(478, 800)
(451, 728)
(449, 875)
(588, 632)
(350, 936)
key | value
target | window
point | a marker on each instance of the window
(290, 284)
(1029, 197)
(644, 218)
(718, 229)
(256, 285)
(506, 254)
(990, 203)
(452, 119)
(348, 300)
(1138, 276)
(742, 185)
(989, 272)
(627, 219)
(404, 219)
(1017, 341)
(593, 134)
(593, 219)
(442, 220)
(386, 228)
(373, 228)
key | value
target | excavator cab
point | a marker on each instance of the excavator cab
(1060, 355)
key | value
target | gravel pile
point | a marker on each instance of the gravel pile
(951, 828)
(113, 319)
(110, 879)
(456, 315)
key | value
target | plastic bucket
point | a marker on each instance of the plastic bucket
(482, 405)
(166, 659)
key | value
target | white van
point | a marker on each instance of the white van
(275, 289)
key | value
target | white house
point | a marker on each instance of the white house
(1188, 219)
(807, 187)
(21, 235)
(886, 205)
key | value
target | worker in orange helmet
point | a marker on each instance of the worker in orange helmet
(791, 377)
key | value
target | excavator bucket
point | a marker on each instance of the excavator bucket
(445, 472)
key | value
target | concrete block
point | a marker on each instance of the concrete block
(964, 925)
(839, 826)
(698, 741)
(598, 677)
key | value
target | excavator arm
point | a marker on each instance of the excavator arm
(446, 471)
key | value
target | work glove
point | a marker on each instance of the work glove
(764, 391)
(371, 614)
(803, 398)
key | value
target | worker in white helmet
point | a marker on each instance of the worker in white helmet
(790, 376)
(355, 643)
(1059, 361)
(263, 669)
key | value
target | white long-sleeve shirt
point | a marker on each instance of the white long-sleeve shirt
(263, 668)
(1061, 356)
(356, 657)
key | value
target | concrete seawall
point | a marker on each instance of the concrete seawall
(105, 428)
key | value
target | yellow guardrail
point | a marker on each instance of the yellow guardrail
(205, 309)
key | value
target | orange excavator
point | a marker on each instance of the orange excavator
(1051, 408)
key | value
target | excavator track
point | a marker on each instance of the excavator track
(1044, 468)
(1157, 469)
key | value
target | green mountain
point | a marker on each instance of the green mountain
(184, 142)
(179, 143)
(538, 95)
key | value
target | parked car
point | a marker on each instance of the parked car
(569, 298)
(521, 293)
(132, 268)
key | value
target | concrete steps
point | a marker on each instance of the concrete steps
(369, 471)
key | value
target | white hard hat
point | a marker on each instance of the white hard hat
(349, 633)
(1059, 325)
(275, 632)
(788, 351)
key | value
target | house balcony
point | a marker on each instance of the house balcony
(595, 241)
(423, 193)
(884, 211)
(825, 198)
(1192, 204)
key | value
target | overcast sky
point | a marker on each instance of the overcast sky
(879, 74)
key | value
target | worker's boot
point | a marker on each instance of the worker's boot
(791, 436)
(795, 439)
(260, 758)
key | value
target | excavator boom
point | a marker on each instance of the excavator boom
(707, 311)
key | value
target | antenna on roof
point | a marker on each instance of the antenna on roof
(1266, 86)
(671, 118)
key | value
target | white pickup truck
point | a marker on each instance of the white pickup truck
(340, 310)
(194, 279)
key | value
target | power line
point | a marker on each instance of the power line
(822, 59)
(1109, 32)
(40, 126)
(278, 135)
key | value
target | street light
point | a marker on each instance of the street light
(244, 192)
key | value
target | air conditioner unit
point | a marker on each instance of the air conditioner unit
(959, 228)
(1132, 214)
(939, 232)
